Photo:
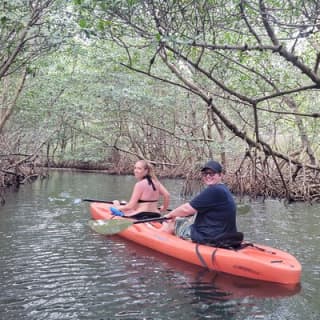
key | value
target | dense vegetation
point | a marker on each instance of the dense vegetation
(98, 84)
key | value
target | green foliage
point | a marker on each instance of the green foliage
(86, 104)
(81, 101)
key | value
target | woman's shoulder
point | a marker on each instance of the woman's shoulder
(142, 183)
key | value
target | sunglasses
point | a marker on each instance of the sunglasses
(208, 174)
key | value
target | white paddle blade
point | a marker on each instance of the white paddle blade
(109, 227)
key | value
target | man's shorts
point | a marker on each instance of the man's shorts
(182, 228)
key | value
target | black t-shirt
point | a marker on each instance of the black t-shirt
(216, 213)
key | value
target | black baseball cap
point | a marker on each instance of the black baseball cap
(212, 165)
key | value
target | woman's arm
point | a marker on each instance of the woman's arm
(135, 196)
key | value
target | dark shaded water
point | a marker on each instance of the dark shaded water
(54, 267)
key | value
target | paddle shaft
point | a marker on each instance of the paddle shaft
(96, 200)
(150, 220)
(242, 208)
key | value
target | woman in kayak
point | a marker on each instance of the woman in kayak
(214, 207)
(145, 195)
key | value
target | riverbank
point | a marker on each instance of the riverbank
(304, 186)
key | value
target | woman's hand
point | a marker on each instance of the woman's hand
(162, 209)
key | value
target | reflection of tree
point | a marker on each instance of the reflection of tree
(253, 64)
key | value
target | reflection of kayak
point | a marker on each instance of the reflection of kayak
(251, 261)
(215, 285)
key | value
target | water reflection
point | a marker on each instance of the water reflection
(54, 267)
(191, 292)
(209, 285)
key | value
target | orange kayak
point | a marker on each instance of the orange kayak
(253, 261)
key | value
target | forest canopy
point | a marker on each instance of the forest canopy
(99, 84)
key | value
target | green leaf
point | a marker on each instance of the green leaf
(77, 2)
(3, 20)
(101, 25)
(82, 23)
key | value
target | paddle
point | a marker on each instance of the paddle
(109, 202)
(242, 208)
(113, 226)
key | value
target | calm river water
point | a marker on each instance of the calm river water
(54, 267)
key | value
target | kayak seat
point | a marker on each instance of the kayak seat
(146, 215)
(227, 240)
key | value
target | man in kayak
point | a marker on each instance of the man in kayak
(214, 207)
(145, 195)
